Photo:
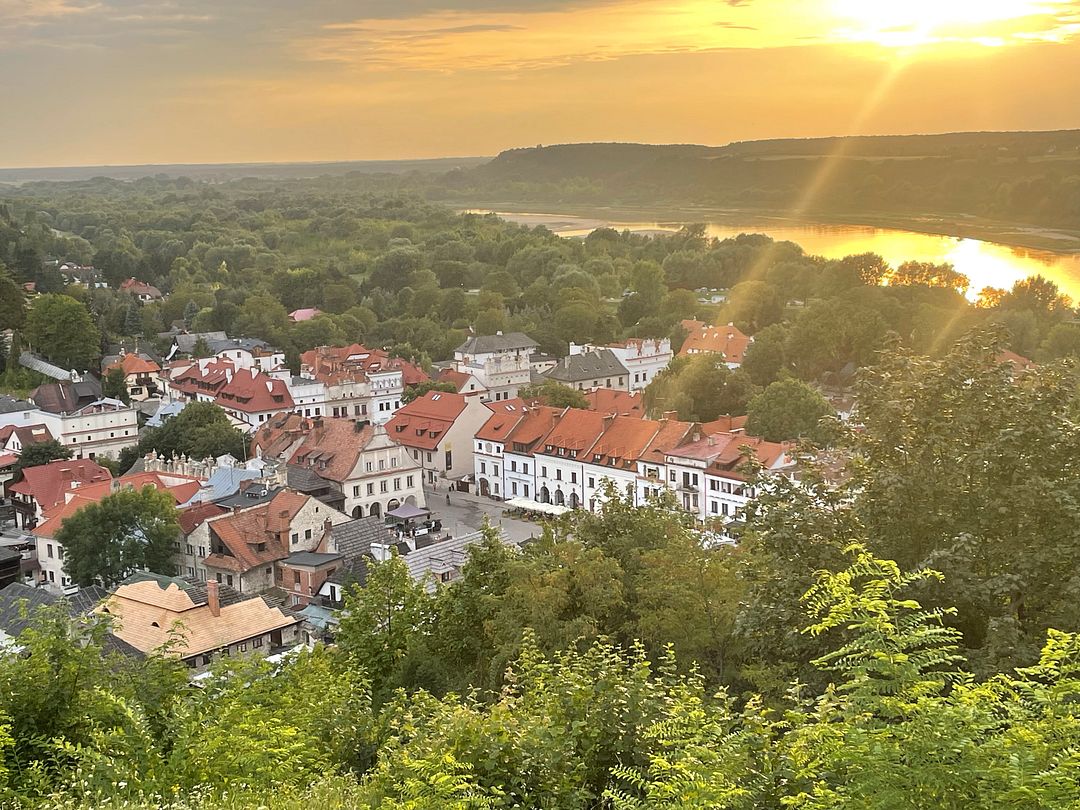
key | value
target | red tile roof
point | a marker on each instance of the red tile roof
(136, 287)
(47, 483)
(536, 424)
(252, 391)
(181, 487)
(623, 441)
(1018, 361)
(424, 421)
(459, 379)
(622, 403)
(670, 435)
(504, 418)
(332, 448)
(724, 340)
(306, 314)
(194, 516)
(26, 434)
(257, 536)
(576, 430)
(133, 364)
(337, 364)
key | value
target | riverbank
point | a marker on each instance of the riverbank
(1011, 234)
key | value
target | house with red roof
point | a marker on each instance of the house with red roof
(246, 547)
(360, 382)
(620, 403)
(251, 396)
(140, 375)
(463, 382)
(305, 314)
(490, 446)
(439, 429)
(559, 459)
(518, 447)
(44, 487)
(140, 290)
(708, 475)
(727, 341)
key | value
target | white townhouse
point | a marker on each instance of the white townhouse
(489, 456)
(501, 363)
(643, 358)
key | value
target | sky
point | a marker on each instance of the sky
(91, 82)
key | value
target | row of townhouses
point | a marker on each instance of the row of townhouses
(567, 457)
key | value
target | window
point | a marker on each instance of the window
(397, 485)
(513, 488)
(202, 551)
(60, 551)
(382, 486)
(449, 459)
(382, 465)
(513, 466)
(525, 468)
(370, 489)
(526, 488)
(368, 467)
(558, 475)
(296, 578)
(573, 478)
(228, 580)
(673, 476)
(714, 485)
(190, 550)
(190, 571)
(543, 472)
(296, 537)
(257, 642)
(307, 534)
(242, 647)
(393, 462)
(49, 550)
(409, 481)
(429, 458)
(483, 467)
(592, 482)
(356, 491)
(218, 577)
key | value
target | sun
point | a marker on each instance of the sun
(908, 23)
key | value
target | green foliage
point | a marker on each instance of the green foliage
(555, 395)
(12, 301)
(61, 329)
(788, 409)
(124, 532)
(699, 388)
(40, 453)
(114, 386)
(201, 430)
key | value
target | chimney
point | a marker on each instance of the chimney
(213, 601)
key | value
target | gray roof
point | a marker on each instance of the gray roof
(485, 344)
(353, 540)
(446, 556)
(249, 497)
(43, 366)
(195, 590)
(588, 366)
(164, 411)
(311, 559)
(304, 479)
(248, 344)
(12, 405)
(224, 483)
(186, 343)
(66, 397)
(18, 603)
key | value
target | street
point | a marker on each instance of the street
(466, 513)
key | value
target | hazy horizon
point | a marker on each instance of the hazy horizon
(159, 82)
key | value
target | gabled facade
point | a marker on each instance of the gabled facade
(491, 447)
(500, 362)
(141, 376)
(439, 429)
(727, 341)
(560, 457)
(643, 358)
(592, 369)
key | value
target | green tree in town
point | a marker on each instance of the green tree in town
(555, 395)
(114, 385)
(35, 455)
(788, 409)
(12, 301)
(61, 329)
(416, 391)
(125, 532)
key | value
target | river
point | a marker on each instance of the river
(986, 264)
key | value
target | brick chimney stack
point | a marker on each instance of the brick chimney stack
(213, 600)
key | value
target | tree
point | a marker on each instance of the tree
(766, 356)
(35, 455)
(114, 385)
(420, 389)
(753, 305)
(125, 532)
(61, 329)
(12, 301)
(787, 409)
(191, 309)
(132, 320)
(699, 388)
(555, 395)
(928, 274)
(201, 430)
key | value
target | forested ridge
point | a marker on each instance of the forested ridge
(1018, 177)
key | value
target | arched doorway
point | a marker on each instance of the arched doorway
(411, 500)
(545, 496)
(485, 487)
(358, 512)
(560, 499)
(394, 504)
(376, 510)
(574, 503)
